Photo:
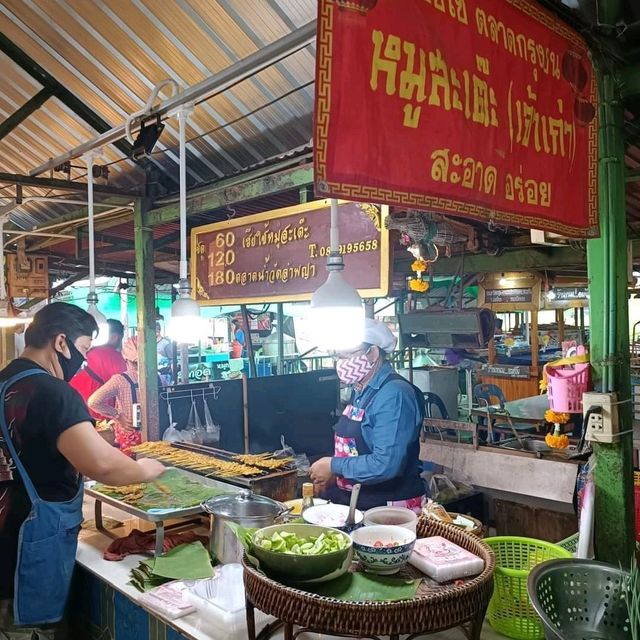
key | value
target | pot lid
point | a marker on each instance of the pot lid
(243, 504)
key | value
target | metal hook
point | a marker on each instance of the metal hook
(231, 212)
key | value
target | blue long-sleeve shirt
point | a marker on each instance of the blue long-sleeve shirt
(391, 423)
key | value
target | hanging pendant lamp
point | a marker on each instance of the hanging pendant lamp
(185, 325)
(336, 313)
(92, 298)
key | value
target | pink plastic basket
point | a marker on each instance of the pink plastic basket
(565, 387)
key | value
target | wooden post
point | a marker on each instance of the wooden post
(245, 411)
(247, 341)
(8, 351)
(280, 327)
(535, 346)
(146, 315)
(560, 321)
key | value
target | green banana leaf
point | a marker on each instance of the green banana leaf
(366, 587)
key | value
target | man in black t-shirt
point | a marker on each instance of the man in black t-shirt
(52, 431)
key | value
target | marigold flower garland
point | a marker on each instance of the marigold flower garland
(556, 440)
(419, 266)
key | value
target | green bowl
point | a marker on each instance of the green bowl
(286, 567)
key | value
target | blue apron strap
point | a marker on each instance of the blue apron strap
(4, 387)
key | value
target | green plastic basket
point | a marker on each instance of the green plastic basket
(570, 543)
(510, 612)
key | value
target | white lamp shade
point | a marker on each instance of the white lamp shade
(7, 319)
(337, 315)
(185, 325)
(103, 326)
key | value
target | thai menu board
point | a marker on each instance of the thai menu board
(281, 255)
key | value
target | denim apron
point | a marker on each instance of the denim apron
(349, 441)
(47, 542)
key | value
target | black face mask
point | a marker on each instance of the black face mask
(70, 365)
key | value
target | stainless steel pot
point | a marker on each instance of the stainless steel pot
(245, 509)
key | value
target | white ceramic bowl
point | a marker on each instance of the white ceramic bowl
(332, 515)
(371, 545)
(398, 516)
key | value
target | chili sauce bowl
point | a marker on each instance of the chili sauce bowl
(383, 549)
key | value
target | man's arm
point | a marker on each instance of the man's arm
(92, 456)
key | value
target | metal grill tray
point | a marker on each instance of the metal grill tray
(158, 519)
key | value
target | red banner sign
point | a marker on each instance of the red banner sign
(281, 255)
(479, 108)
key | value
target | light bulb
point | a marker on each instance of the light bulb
(185, 325)
(503, 282)
(103, 325)
(336, 315)
(6, 322)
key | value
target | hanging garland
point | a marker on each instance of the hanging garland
(556, 439)
(417, 235)
(417, 284)
(420, 266)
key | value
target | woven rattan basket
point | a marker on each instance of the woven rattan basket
(440, 607)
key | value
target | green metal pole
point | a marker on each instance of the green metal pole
(146, 315)
(607, 267)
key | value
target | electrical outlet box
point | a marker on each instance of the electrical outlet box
(603, 426)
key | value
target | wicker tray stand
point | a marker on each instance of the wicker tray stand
(431, 611)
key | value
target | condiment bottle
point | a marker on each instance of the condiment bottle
(307, 496)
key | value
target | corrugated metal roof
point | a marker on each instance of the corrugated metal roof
(111, 53)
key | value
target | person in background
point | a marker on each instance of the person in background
(123, 389)
(238, 339)
(164, 348)
(377, 437)
(49, 443)
(103, 362)
(164, 345)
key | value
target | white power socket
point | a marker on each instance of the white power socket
(603, 426)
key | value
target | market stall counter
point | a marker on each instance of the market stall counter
(105, 605)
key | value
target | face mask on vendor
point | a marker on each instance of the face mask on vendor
(354, 368)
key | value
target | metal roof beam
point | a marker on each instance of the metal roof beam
(214, 85)
(64, 185)
(517, 260)
(21, 114)
(28, 64)
(233, 190)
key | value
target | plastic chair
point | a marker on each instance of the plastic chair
(432, 400)
(578, 599)
(486, 395)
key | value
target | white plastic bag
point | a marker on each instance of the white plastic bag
(172, 434)
(285, 452)
(194, 425)
(211, 429)
(443, 489)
